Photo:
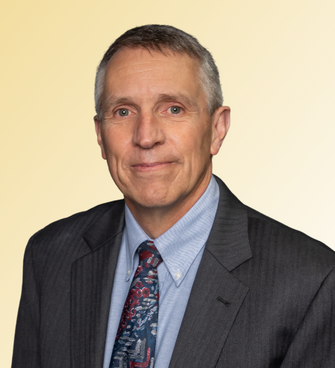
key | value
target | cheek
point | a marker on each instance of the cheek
(196, 142)
(193, 147)
(115, 142)
(201, 151)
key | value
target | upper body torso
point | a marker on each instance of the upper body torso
(263, 295)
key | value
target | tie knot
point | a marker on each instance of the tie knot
(149, 255)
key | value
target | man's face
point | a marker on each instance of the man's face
(157, 135)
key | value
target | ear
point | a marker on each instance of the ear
(98, 128)
(220, 127)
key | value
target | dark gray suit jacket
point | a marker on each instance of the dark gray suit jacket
(264, 294)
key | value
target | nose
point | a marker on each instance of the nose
(148, 131)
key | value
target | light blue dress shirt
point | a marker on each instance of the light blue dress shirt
(181, 248)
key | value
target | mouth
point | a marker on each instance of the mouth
(150, 166)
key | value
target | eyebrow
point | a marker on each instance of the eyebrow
(180, 97)
(112, 100)
(163, 97)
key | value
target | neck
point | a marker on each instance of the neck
(157, 220)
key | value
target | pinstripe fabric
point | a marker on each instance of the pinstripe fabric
(287, 316)
(181, 247)
(263, 296)
(61, 290)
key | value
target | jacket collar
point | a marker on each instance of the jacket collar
(217, 295)
(106, 226)
(92, 277)
(228, 241)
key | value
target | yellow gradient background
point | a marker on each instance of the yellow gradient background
(276, 60)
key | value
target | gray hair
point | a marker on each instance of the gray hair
(160, 38)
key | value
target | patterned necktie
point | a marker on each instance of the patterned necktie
(136, 336)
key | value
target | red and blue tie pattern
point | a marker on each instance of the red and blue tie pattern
(136, 336)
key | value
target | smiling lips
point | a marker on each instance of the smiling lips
(151, 166)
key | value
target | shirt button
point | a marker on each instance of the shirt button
(128, 272)
(177, 275)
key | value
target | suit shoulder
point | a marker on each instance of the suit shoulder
(287, 242)
(73, 227)
(270, 239)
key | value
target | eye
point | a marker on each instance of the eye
(123, 112)
(175, 109)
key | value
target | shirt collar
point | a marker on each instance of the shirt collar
(179, 245)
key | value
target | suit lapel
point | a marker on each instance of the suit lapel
(91, 286)
(217, 295)
(215, 299)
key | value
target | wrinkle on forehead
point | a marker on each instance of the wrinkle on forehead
(164, 76)
(113, 100)
(135, 63)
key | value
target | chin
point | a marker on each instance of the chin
(153, 202)
(151, 199)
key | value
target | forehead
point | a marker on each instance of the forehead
(140, 70)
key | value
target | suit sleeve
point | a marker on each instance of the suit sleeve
(26, 344)
(314, 343)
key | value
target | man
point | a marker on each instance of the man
(234, 287)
